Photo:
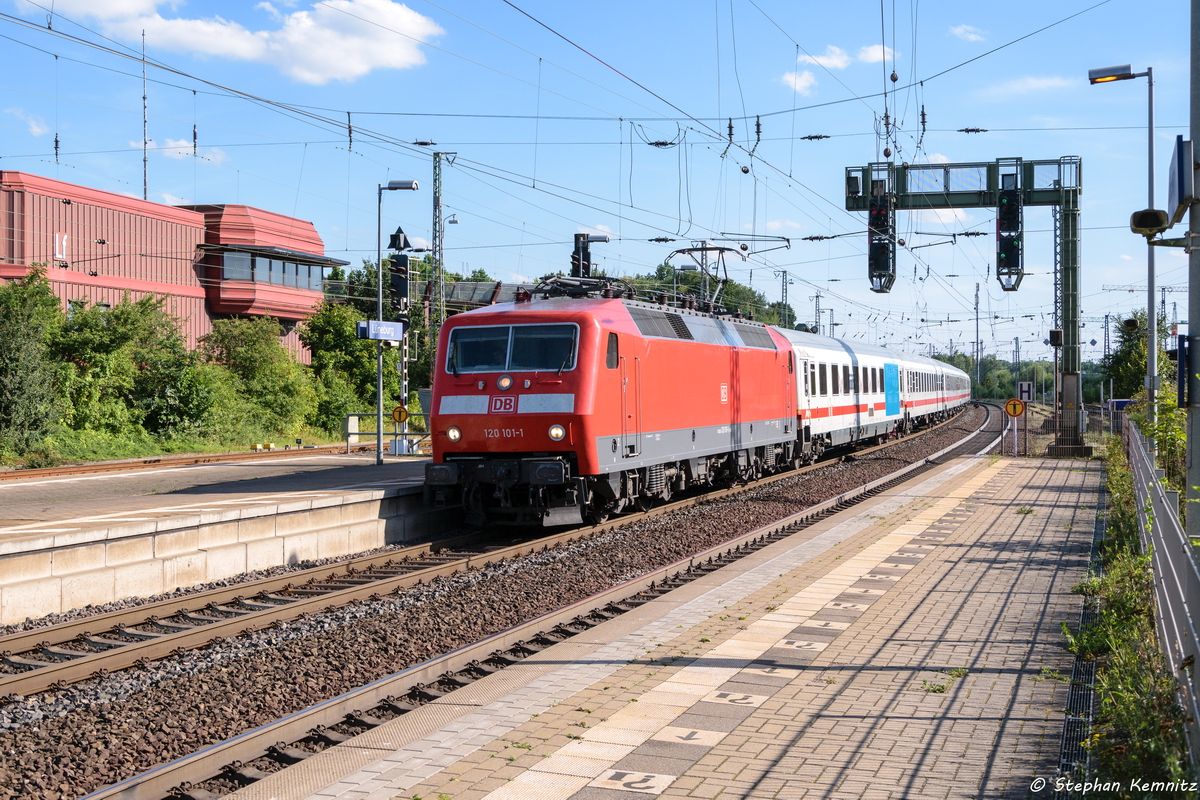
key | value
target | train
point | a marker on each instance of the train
(578, 400)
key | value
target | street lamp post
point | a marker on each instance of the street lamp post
(391, 187)
(1123, 73)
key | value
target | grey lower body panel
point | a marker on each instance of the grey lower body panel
(662, 447)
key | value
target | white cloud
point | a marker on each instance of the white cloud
(780, 224)
(873, 54)
(801, 82)
(597, 229)
(967, 33)
(37, 125)
(182, 148)
(172, 200)
(938, 158)
(335, 40)
(834, 58)
(419, 242)
(177, 148)
(514, 277)
(944, 216)
(1023, 86)
(1124, 257)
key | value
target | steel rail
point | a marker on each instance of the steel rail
(67, 668)
(178, 461)
(245, 747)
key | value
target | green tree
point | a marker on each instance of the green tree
(344, 365)
(30, 316)
(1126, 364)
(268, 374)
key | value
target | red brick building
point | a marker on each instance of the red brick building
(210, 262)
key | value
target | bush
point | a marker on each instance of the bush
(1139, 730)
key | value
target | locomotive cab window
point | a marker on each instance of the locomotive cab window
(613, 359)
(518, 348)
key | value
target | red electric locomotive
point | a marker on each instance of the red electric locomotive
(586, 402)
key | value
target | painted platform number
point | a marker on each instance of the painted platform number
(503, 404)
(798, 644)
(644, 782)
(736, 699)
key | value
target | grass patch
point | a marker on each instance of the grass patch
(1138, 731)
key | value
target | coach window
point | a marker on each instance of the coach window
(834, 383)
(613, 359)
(874, 380)
(824, 385)
(847, 383)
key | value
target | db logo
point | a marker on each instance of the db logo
(503, 404)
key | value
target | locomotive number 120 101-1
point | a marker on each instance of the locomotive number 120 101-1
(503, 433)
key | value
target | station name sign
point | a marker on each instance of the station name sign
(384, 331)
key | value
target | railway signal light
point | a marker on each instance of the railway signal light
(398, 284)
(881, 247)
(1008, 214)
(1009, 270)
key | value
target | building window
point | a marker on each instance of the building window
(237, 267)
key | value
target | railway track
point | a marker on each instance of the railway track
(56, 657)
(252, 755)
(176, 461)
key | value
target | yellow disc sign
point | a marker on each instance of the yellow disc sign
(399, 414)
(1014, 407)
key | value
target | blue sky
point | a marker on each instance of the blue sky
(551, 107)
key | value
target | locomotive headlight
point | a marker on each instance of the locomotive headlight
(557, 432)
(504, 383)
(453, 433)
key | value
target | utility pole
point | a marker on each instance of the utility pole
(1016, 361)
(783, 282)
(817, 311)
(438, 280)
(978, 341)
(1193, 398)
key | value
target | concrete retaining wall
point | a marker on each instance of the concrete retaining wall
(53, 572)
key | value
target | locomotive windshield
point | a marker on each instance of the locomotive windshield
(515, 348)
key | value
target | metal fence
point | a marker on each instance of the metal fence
(1039, 432)
(395, 442)
(1177, 577)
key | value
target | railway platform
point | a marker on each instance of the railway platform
(907, 647)
(72, 541)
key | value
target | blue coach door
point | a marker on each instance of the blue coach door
(891, 389)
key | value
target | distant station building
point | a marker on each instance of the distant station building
(210, 262)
